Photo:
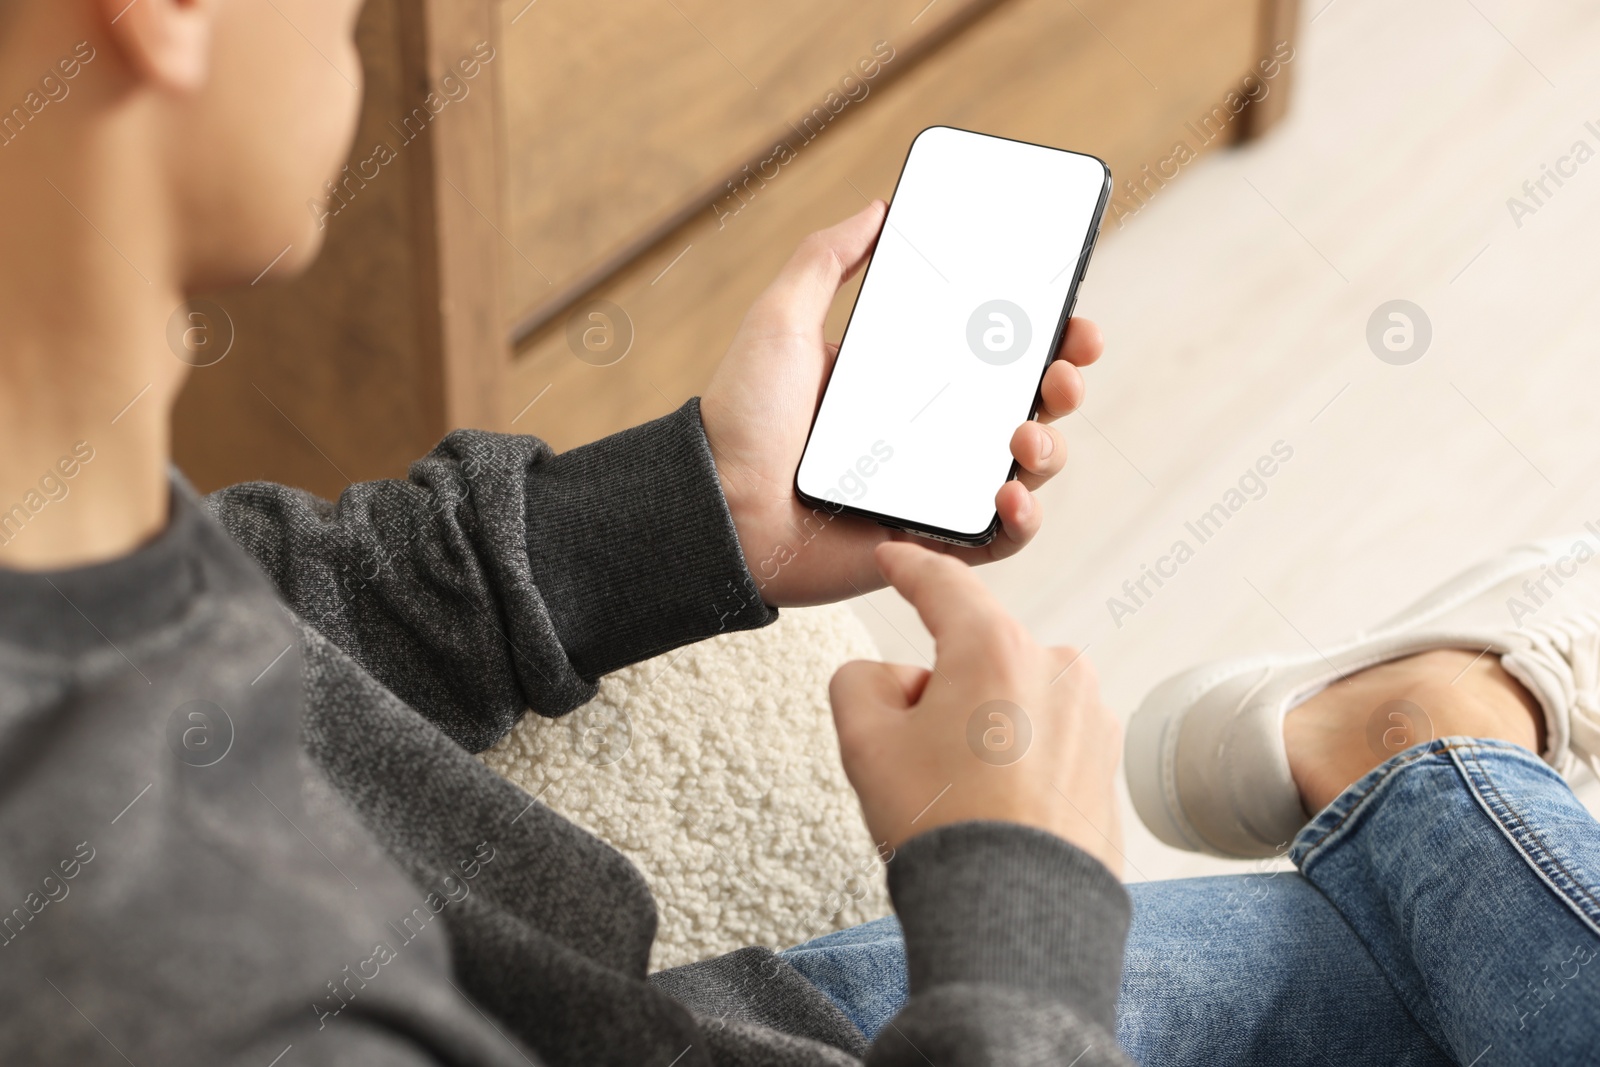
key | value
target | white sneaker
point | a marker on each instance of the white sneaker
(1205, 758)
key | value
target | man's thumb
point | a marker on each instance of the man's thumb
(865, 687)
(805, 288)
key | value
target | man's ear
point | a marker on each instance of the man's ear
(167, 41)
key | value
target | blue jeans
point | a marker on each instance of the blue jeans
(1446, 910)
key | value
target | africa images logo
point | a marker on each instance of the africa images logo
(998, 332)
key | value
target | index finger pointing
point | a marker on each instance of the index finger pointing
(946, 593)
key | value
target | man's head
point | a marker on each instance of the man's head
(220, 119)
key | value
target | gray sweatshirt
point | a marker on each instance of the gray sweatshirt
(241, 822)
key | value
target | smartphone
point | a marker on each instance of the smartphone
(961, 309)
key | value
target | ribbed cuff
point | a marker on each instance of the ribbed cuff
(1008, 905)
(633, 547)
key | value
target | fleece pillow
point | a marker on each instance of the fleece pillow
(716, 770)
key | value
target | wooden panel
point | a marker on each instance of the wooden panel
(1033, 69)
(394, 335)
(461, 201)
(618, 118)
(1279, 21)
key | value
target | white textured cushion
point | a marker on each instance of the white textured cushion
(716, 770)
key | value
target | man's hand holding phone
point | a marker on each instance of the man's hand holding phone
(1001, 728)
(758, 410)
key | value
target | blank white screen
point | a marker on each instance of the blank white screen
(914, 425)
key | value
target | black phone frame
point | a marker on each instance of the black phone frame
(987, 535)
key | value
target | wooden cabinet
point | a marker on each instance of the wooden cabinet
(643, 167)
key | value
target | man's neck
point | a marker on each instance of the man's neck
(87, 380)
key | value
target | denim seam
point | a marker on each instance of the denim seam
(1359, 800)
(1534, 843)
(1356, 802)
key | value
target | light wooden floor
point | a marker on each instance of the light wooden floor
(1235, 308)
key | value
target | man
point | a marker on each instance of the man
(239, 834)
